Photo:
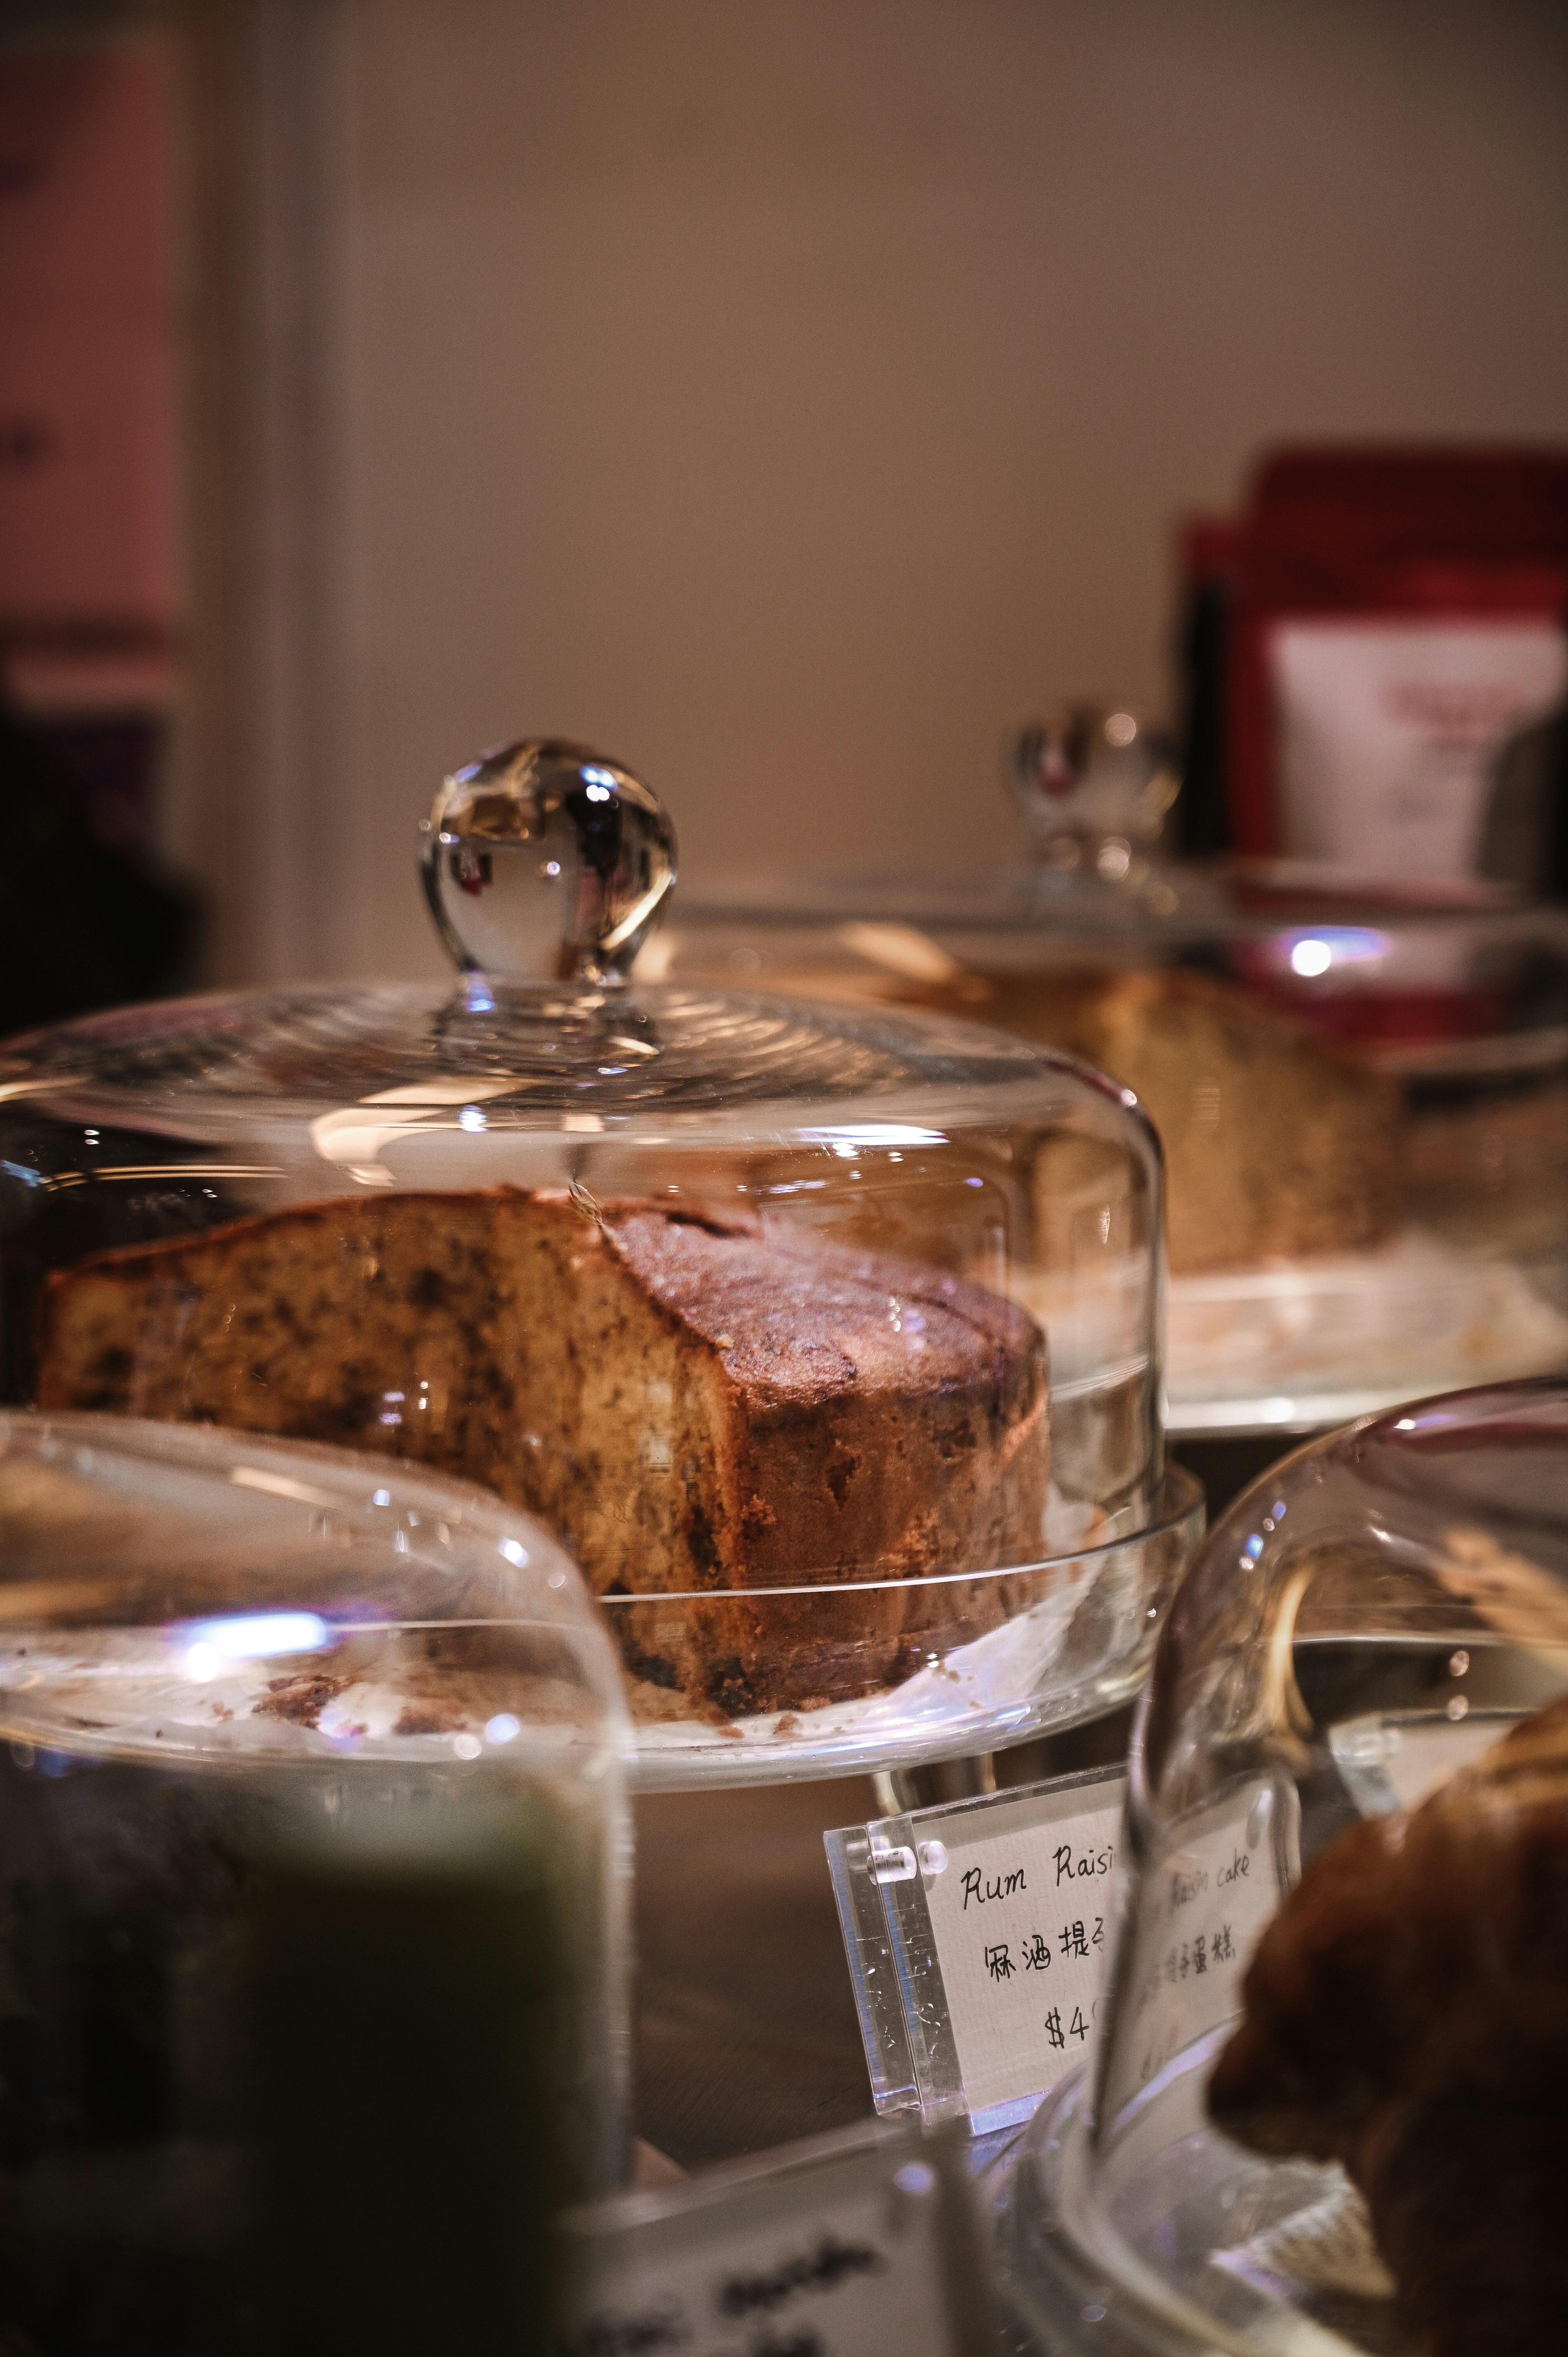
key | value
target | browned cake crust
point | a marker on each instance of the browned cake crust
(1407, 2015)
(1278, 1143)
(692, 1403)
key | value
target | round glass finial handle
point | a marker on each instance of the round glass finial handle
(1094, 783)
(546, 861)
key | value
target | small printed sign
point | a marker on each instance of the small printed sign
(994, 1919)
(864, 2245)
(1203, 1905)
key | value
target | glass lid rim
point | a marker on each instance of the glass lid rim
(1454, 1420)
(108, 1028)
(205, 1454)
(103, 1066)
(1180, 1496)
(341, 1630)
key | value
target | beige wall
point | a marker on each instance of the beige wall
(788, 395)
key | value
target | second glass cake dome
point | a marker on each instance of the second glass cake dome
(1363, 1100)
(828, 1340)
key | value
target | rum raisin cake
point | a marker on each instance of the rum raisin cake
(1407, 2015)
(693, 1403)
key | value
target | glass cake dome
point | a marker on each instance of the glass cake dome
(827, 1338)
(1363, 1101)
(1325, 2107)
(314, 1870)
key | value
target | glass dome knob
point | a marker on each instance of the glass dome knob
(546, 861)
(1092, 784)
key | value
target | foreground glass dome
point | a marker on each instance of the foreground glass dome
(314, 1876)
(827, 1338)
(1326, 2109)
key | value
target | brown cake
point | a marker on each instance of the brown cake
(691, 1402)
(1494, 1172)
(1278, 1143)
(1407, 2015)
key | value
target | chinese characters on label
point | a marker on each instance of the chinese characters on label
(1035, 1950)
(1020, 1920)
(1215, 1948)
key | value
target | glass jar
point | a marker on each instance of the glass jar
(827, 1338)
(314, 1861)
(1324, 2107)
(1363, 1101)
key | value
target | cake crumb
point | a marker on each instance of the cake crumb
(299, 1699)
(790, 1724)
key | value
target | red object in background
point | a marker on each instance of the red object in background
(1210, 548)
(1375, 656)
(1397, 616)
(1407, 1018)
(1410, 501)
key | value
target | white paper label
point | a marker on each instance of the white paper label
(1201, 1911)
(1021, 1920)
(851, 2256)
(1387, 734)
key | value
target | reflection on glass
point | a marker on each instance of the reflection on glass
(1329, 2091)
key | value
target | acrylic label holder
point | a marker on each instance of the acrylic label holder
(976, 1935)
(860, 2245)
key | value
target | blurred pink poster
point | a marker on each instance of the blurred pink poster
(87, 424)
